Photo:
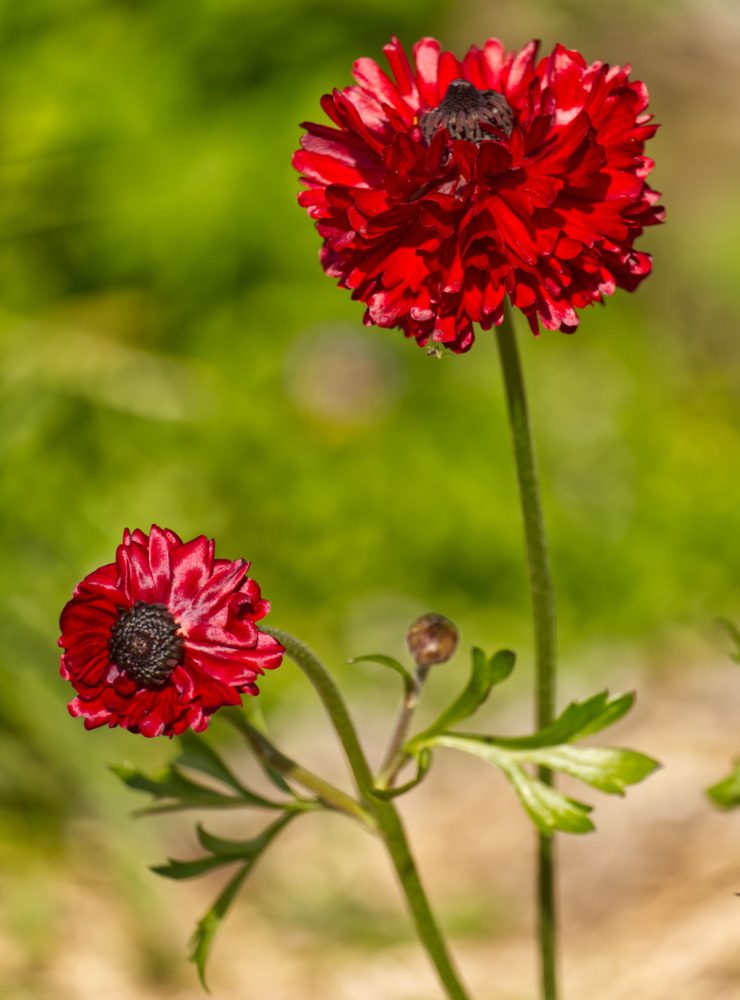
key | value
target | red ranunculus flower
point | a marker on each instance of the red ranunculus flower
(456, 183)
(158, 640)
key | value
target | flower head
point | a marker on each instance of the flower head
(450, 185)
(158, 640)
(432, 639)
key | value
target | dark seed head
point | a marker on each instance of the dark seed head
(463, 110)
(145, 642)
(432, 639)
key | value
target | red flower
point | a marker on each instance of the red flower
(158, 640)
(456, 183)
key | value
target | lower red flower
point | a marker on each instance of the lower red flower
(452, 184)
(158, 640)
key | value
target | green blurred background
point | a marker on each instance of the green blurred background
(171, 352)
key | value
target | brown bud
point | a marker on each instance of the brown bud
(432, 639)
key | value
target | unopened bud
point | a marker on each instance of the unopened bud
(432, 639)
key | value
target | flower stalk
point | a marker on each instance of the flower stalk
(384, 813)
(544, 620)
(395, 758)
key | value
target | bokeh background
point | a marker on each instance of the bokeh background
(171, 352)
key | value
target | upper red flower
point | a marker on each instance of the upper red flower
(158, 640)
(459, 182)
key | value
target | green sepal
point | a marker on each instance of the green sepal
(485, 674)
(251, 850)
(388, 661)
(423, 763)
(726, 793)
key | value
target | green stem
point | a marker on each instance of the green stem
(543, 608)
(385, 814)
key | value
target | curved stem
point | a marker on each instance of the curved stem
(385, 814)
(329, 693)
(543, 609)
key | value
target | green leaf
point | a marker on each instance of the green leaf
(223, 852)
(209, 923)
(206, 928)
(609, 770)
(200, 756)
(191, 869)
(388, 661)
(485, 674)
(548, 808)
(170, 783)
(245, 849)
(734, 633)
(606, 768)
(579, 719)
(726, 793)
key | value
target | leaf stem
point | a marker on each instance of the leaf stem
(395, 758)
(384, 812)
(543, 609)
(329, 794)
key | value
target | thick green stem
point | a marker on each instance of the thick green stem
(543, 608)
(384, 813)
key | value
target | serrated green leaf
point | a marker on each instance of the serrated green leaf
(388, 661)
(726, 793)
(200, 756)
(579, 719)
(170, 783)
(209, 923)
(609, 770)
(485, 674)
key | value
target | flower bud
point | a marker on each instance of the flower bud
(432, 639)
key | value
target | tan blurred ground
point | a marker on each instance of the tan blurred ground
(649, 902)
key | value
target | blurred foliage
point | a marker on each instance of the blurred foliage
(170, 352)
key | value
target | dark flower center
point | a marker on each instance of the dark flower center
(145, 642)
(463, 110)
